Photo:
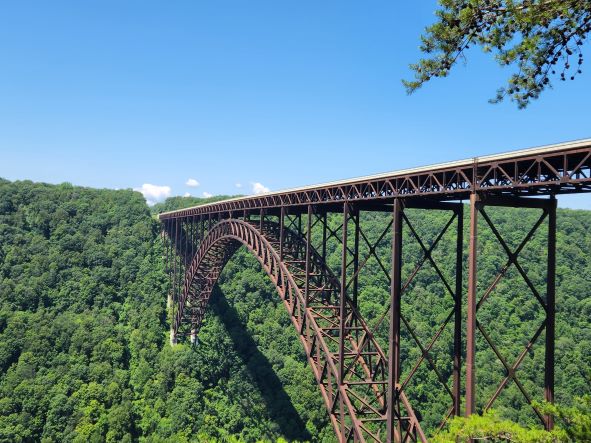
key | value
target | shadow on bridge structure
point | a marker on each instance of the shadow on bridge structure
(359, 363)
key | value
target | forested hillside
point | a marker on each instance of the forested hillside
(84, 352)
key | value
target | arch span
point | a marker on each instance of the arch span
(349, 366)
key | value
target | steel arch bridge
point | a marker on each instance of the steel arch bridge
(358, 374)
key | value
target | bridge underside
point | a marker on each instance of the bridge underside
(316, 248)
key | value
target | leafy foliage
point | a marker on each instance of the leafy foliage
(573, 425)
(574, 421)
(490, 427)
(84, 354)
(541, 38)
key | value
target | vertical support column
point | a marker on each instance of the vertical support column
(174, 281)
(193, 241)
(356, 258)
(261, 219)
(185, 231)
(394, 331)
(324, 235)
(281, 233)
(471, 310)
(308, 246)
(197, 239)
(175, 256)
(190, 233)
(343, 314)
(193, 238)
(550, 311)
(181, 258)
(167, 242)
(457, 368)
(202, 226)
(324, 238)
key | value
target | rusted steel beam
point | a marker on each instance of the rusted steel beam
(281, 229)
(343, 314)
(308, 250)
(394, 328)
(356, 220)
(324, 233)
(362, 205)
(550, 311)
(457, 362)
(514, 202)
(471, 308)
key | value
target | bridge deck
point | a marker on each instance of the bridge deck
(553, 169)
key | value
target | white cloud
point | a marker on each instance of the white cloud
(187, 194)
(238, 185)
(154, 193)
(192, 183)
(258, 188)
(207, 194)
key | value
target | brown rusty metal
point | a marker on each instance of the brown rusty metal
(550, 312)
(457, 362)
(343, 315)
(471, 309)
(394, 329)
(308, 250)
(361, 385)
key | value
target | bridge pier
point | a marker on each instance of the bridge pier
(478, 204)
(394, 429)
(451, 289)
(343, 318)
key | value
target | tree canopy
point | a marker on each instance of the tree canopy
(542, 40)
(84, 353)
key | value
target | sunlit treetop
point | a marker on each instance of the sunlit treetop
(541, 39)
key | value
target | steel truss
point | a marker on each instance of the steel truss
(366, 400)
(559, 169)
(358, 367)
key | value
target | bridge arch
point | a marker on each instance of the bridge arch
(349, 366)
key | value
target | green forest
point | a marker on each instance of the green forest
(84, 351)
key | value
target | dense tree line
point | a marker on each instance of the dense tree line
(84, 354)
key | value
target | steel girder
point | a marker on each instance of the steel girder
(562, 169)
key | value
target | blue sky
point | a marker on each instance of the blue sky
(280, 94)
